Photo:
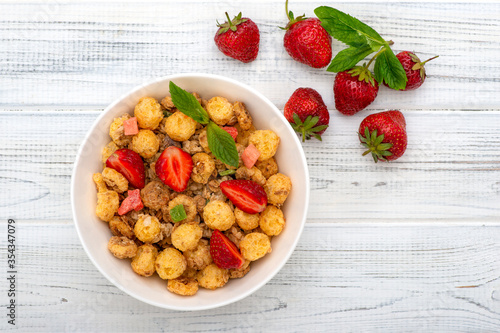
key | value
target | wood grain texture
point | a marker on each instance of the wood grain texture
(450, 171)
(80, 54)
(349, 279)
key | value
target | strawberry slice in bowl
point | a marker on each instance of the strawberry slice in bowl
(130, 165)
(223, 252)
(174, 167)
(247, 195)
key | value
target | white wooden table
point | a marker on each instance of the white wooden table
(408, 246)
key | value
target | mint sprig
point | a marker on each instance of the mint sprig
(220, 142)
(363, 40)
(222, 145)
(188, 104)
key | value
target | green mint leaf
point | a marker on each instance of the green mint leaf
(388, 69)
(187, 104)
(348, 29)
(227, 172)
(178, 213)
(348, 58)
(222, 145)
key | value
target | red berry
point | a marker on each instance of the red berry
(414, 68)
(233, 131)
(354, 90)
(303, 104)
(131, 202)
(130, 165)
(174, 167)
(247, 195)
(384, 134)
(224, 253)
(238, 38)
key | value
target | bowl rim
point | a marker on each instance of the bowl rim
(275, 269)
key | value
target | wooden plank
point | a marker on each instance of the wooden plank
(75, 54)
(350, 279)
(450, 170)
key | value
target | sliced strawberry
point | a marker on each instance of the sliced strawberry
(130, 165)
(233, 131)
(250, 156)
(224, 253)
(174, 168)
(130, 126)
(247, 195)
(133, 201)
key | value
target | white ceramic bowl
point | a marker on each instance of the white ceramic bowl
(94, 234)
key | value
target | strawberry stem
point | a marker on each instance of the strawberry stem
(287, 12)
(382, 49)
(423, 62)
(229, 21)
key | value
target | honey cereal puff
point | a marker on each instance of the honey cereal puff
(277, 188)
(155, 195)
(246, 221)
(254, 246)
(119, 227)
(218, 215)
(212, 277)
(272, 220)
(266, 142)
(148, 113)
(180, 127)
(267, 167)
(108, 150)
(122, 247)
(116, 131)
(189, 207)
(108, 203)
(244, 135)
(145, 143)
(220, 110)
(147, 229)
(144, 261)
(203, 167)
(170, 264)
(243, 116)
(186, 236)
(199, 257)
(253, 174)
(183, 286)
(115, 180)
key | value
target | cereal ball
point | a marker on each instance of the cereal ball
(243, 116)
(202, 138)
(266, 142)
(243, 135)
(170, 264)
(119, 227)
(277, 187)
(218, 215)
(220, 110)
(108, 203)
(186, 236)
(189, 207)
(254, 246)
(183, 286)
(115, 180)
(116, 131)
(203, 166)
(155, 195)
(99, 182)
(267, 167)
(199, 257)
(180, 127)
(236, 273)
(147, 229)
(246, 221)
(272, 220)
(253, 174)
(148, 113)
(145, 143)
(108, 150)
(212, 277)
(144, 261)
(122, 247)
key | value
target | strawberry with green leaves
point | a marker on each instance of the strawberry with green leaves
(306, 41)
(354, 90)
(238, 38)
(307, 113)
(414, 68)
(384, 135)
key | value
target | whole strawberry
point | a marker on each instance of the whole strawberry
(307, 41)
(307, 113)
(414, 68)
(354, 90)
(238, 38)
(384, 134)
